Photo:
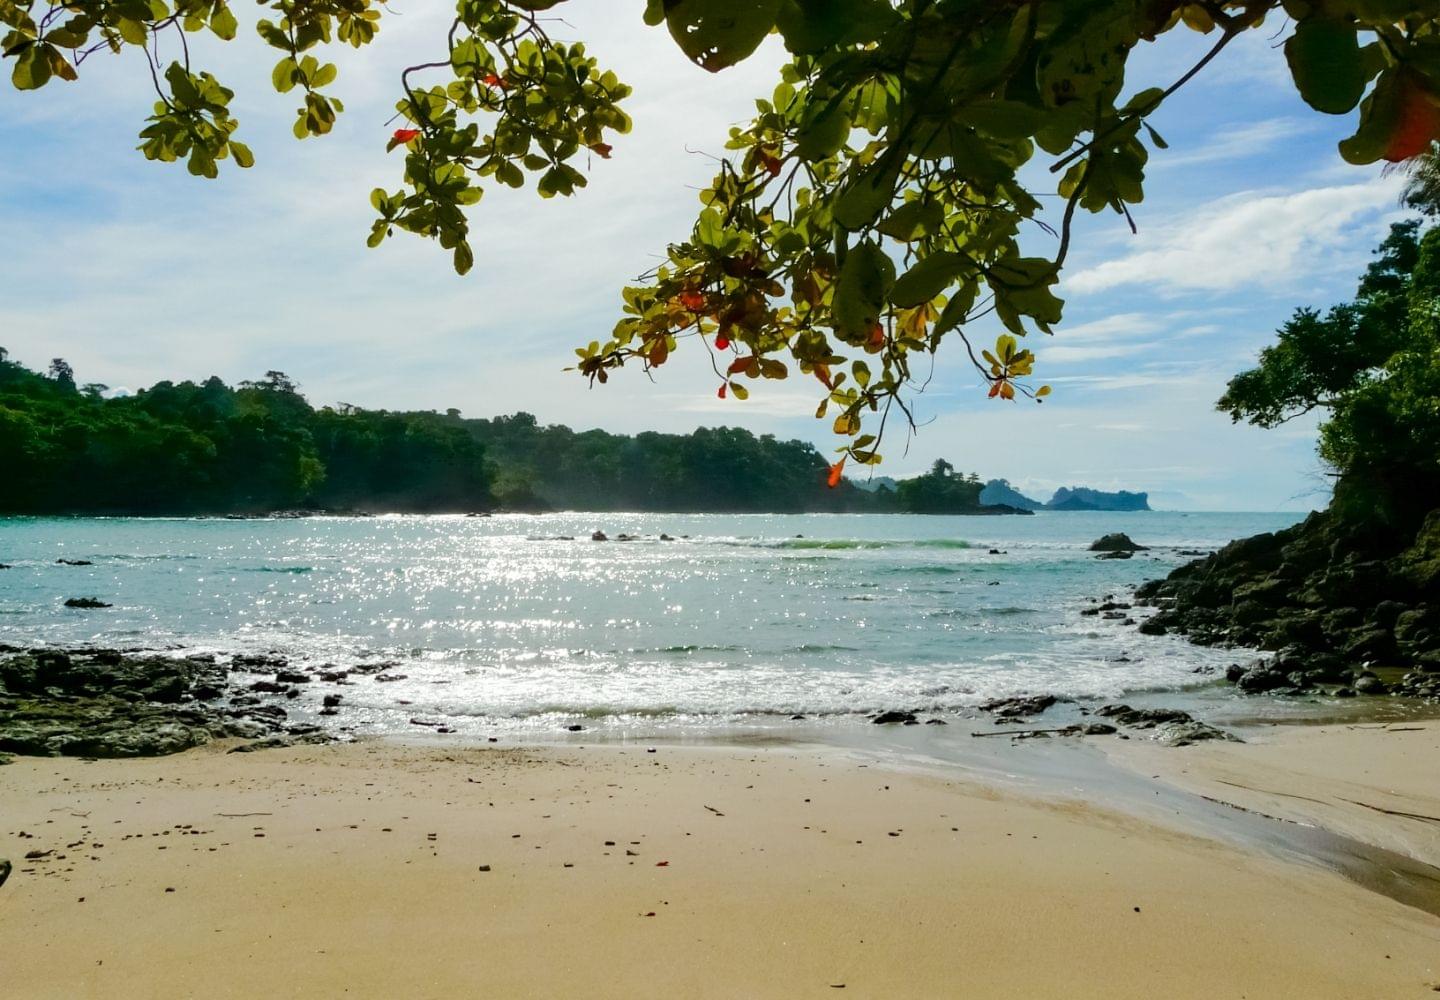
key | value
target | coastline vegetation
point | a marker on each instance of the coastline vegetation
(259, 447)
(1346, 599)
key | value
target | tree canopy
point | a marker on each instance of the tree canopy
(873, 209)
(207, 448)
(1374, 366)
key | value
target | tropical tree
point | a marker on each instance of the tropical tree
(874, 207)
(1373, 366)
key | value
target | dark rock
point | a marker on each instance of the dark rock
(599, 536)
(4, 870)
(1097, 729)
(86, 602)
(259, 662)
(1264, 676)
(936, 722)
(291, 677)
(888, 718)
(1142, 718)
(1172, 726)
(390, 678)
(1007, 708)
(1116, 542)
(1370, 684)
(1115, 555)
(1186, 734)
(1387, 613)
(73, 562)
(1344, 693)
(1413, 626)
(575, 728)
(1372, 644)
(331, 700)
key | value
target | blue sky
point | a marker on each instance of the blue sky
(135, 271)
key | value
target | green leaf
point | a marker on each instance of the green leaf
(1325, 60)
(824, 127)
(927, 279)
(912, 221)
(130, 30)
(867, 196)
(32, 69)
(283, 75)
(719, 33)
(957, 308)
(1002, 119)
(464, 258)
(1380, 114)
(242, 154)
(223, 23)
(861, 289)
(811, 27)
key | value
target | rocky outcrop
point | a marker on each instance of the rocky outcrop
(1354, 610)
(1116, 542)
(105, 703)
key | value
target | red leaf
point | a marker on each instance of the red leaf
(836, 471)
(877, 336)
(601, 149)
(723, 387)
(404, 135)
(492, 80)
(1419, 125)
(822, 372)
(740, 364)
(771, 163)
(995, 390)
(694, 301)
(722, 342)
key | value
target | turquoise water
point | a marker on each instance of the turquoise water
(501, 621)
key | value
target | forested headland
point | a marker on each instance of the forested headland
(1349, 597)
(183, 448)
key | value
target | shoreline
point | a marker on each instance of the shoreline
(791, 870)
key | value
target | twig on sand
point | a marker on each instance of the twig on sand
(1394, 812)
(1266, 791)
(717, 812)
(1029, 732)
(242, 815)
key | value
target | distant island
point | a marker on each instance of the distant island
(1072, 498)
(258, 448)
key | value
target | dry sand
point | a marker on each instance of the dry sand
(356, 871)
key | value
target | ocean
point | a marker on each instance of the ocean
(522, 622)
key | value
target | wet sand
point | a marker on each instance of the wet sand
(360, 871)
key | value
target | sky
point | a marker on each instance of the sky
(136, 272)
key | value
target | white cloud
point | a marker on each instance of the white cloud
(1250, 240)
(1233, 143)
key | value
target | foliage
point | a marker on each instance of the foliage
(1374, 364)
(940, 491)
(209, 448)
(1422, 182)
(873, 208)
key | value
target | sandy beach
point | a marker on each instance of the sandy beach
(382, 870)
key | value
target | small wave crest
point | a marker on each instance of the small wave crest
(842, 544)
